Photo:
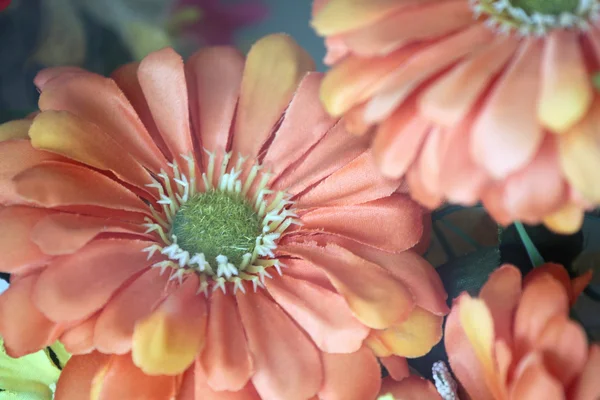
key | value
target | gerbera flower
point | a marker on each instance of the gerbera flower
(255, 247)
(516, 340)
(489, 100)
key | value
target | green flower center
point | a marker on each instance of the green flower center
(217, 223)
(548, 7)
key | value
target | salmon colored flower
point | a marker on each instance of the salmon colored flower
(210, 218)
(516, 340)
(474, 100)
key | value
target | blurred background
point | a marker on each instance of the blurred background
(101, 35)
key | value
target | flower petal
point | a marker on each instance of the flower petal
(350, 376)
(24, 329)
(100, 101)
(274, 67)
(357, 182)
(566, 221)
(202, 389)
(323, 314)
(116, 323)
(19, 253)
(411, 388)
(57, 184)
(375, 297)
(62, 133)
(80, 338)
(566, 90)
(215, 76)
(368, 223)
(501, 294)
(167, 341)
(17, 129)
(61, 233)
(396, 366)
(75, 382)
(226, 359)
(305, 122)
(121, 379)
(588, 384)
(287, 364)
(414, 336)
(162, 79)
(76, 286)
(532, 381)
(506, 134)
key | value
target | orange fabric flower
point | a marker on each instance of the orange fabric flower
(516, 340)
(259, 264)
(474, 100)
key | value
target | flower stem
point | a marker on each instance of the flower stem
(532, 251)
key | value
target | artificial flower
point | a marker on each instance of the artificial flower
(474, 100)
(31, 377)
(211, 224)
(516, 340)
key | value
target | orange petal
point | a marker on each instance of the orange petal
(24, 329)
(167, 341)
(61, 233)
(162, 79)
(578, 285)
(76, 286)
(127, 80)
(588, 384)
(543, 299)
(323, 314)
(414, 24)
(298, 268)
(17, 156)
(567, 220)
(80, 140)
(375, 297)
(396, 366)
(357, 182)
(533, 382)
(478, 325)
(501, 294)
(415, 336)
(580, 155)
(399, 140)
(344, 15)
(553, 270)
(287, 364)
(333, 152)
(423, 65)
(368, 223)
(57, 184)
(121, 379)
(450, 98)
(419, 190)
(462, 357)
(19, 253)
(411, 388)
(566, 90)
(215, 76)
(75, 382)
(100, 101)
(305, 122)
(80, 338)
(350, 376)
(114, 329)
(226, 359)
(274, 67)
(506, 134)
(17, 129)
(202, 390)
(564, 348)
(47, 75)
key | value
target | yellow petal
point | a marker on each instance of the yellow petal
(17, 129)
(415, 336)
(168, 340)
(566, 221)
(580, 155)
(566, 90)
(273, 70)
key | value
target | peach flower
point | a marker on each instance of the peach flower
(516, 341)
(474, 100)
(209, 217)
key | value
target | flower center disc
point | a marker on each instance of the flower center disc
(549, 7)
(217, 223)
